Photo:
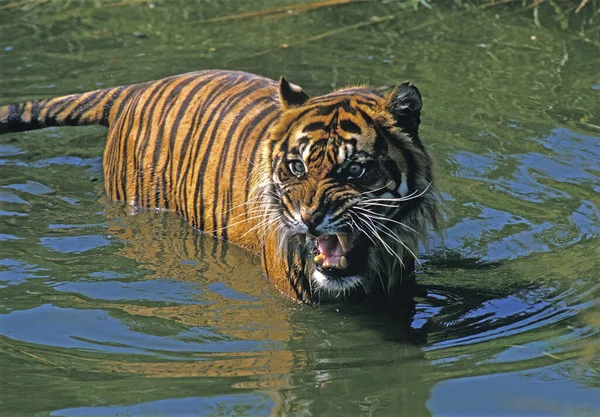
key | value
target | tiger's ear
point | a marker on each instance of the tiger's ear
(405, 104)
(291, 95)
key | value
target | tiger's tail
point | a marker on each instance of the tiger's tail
(89, 108)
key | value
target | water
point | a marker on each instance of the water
(106, 313)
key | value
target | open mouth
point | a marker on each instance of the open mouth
(339, 255)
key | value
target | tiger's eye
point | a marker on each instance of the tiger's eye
(355, 170)
(297, 167)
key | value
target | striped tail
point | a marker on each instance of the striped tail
(74, 110)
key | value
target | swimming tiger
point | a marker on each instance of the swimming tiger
(334, 192)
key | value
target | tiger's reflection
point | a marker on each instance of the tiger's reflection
(234, 302)
(233, 299)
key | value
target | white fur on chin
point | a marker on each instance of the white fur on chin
(335, 287)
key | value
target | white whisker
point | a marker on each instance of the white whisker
(395, 237)
(377, 216)
(387, 247)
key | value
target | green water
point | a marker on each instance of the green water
(106, 313)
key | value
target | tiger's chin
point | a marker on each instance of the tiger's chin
(335, 286)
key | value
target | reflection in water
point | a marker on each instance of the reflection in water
(234, 298)
(232, 305)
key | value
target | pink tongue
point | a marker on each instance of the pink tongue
(329, 246)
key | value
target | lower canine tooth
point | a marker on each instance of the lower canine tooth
(343, 262)
(319, 259)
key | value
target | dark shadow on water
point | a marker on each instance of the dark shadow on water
(390, 313)
(452, 259)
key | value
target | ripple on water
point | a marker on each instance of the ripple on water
(8, 197)
(530, 308)
(245, 404)
(9, 150)
(31, 187)
(14, 271)
(564, 177)
(75, 244)
(101, 331)
(12, 214)
(156, 290)
(521, 393)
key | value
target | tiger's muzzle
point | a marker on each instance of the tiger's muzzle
(339, 255)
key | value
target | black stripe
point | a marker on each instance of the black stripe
(225, 211)
(350, 127)
(144, 127)
(325, 110)
(331, 156)
(314, 126)
(131, 91)
(315, 155)
(50, 119)
(35, 115)
(249, 129)
(296, 277)
(133, 99)
(84, 105)
(302, 141)
(288, 206)
(108, 106)
(164, 108)
(264, 261)
(365, 116)
(124, 136)
(348, 107)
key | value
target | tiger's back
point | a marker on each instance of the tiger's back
(190, 147)
(183, 143)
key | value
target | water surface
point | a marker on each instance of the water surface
(104, 312)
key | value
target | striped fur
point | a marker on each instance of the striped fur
(216, 146)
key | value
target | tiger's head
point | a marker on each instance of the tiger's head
(348, 185)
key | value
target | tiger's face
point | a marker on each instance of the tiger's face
(350, 185)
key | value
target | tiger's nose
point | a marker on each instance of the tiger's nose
(311, 218)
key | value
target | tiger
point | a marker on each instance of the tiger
(334, 192)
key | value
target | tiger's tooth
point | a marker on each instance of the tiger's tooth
(343, 239)
(302, 238)
(319, 259)
(343, 262)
